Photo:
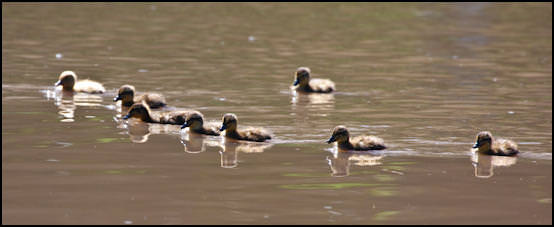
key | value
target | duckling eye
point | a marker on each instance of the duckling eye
(483, 140)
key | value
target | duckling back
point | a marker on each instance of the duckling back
(367, 143)
(89, 86)
(322, 85)
(504, 147)
(255, 134)
(212, 128)
(174, 117)
(154, 100)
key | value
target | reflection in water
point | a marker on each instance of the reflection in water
(196, 143)
(231, 147)
(315, 101)
(341, 160)
(484, 164)
(67, 102)
(139, 131)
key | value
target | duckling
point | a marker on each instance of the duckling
(68, 80)
(142, 111)
(195, 121)
(252, 134)
(126, 94)
(302, 79)
(486, 144)
(341, 136)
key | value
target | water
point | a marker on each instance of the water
(424, 77)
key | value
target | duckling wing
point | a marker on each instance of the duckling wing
(505, 147)
(367, 143)
(322, 85)
(174, 117)
(154, 100)
(88, 86)
(212, 127)
(256, 134)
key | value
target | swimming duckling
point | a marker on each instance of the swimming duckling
(252, 134)
(302, 79)
(142, 111)
(68, 80)
(126, 94)
(486, 144)
(195, 121)
(342, 137)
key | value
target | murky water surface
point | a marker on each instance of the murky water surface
(424, 77)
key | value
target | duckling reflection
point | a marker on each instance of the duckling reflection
(231, 147)
(67, 102)
(319, 102)
(66, 107)
(341, 160)
(196, 143)
(484, 164)
(140, 131)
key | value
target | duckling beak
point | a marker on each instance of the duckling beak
(223, 127)
(117, 98)
(296, 82)
(332, 139)
(185, 125)
(476, 145)
(59, 82)
(126, 117)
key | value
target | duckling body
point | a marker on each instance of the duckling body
(195, 121)
(126, 94)
(487, 144)
(230, 122)
(304, 83)
(68, 80)
(143, 112)
(342, 137)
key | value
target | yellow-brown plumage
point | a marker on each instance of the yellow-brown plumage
(487, 144)
(303, 82)
(342, 137)
(230, 122)
(68, 80)
(126, 94)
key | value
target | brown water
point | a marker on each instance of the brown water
(424, 77)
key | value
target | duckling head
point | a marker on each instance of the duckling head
(229, 122)
(340, 134)
(67, 80)
(195, 121)
(484, 140)
(139, 110)
(302, 76)
(125, 94)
